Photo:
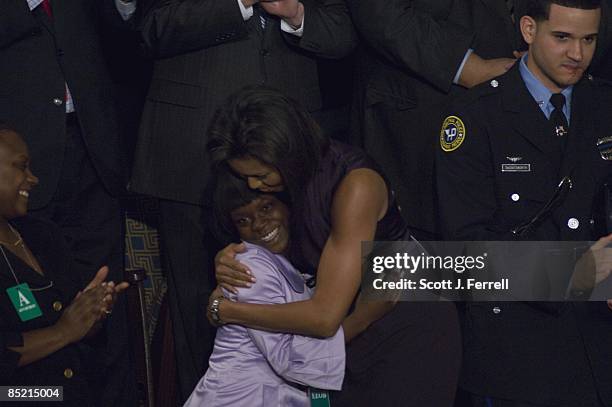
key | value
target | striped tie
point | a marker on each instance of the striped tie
(263, 17)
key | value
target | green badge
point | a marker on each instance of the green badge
(24, 302)
(318, 397)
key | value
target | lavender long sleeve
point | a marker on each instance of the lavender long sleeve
(250, 367)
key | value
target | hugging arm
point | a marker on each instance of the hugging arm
(359, 202)
(300, 359)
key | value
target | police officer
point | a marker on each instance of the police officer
(507, 149)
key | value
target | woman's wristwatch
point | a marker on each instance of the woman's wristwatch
(214, 309)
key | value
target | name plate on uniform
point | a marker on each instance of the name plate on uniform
(516, 167)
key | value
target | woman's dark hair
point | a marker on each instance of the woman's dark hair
(539, 10)
(229, 193)
(262, 123)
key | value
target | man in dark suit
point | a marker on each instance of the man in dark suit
(416, 55)
(207, 50)
(603, 59)
(55, 89)
(504, 148)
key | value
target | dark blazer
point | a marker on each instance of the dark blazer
(53, 292)
(412, 51)
(206, 52)
(38, 55)
(543, 353)
(603, 58)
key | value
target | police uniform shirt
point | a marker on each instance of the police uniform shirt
(498, 164)
(497, 167)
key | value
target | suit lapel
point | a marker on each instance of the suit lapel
(529, 122)
(254, 23)
(44, 19)
(272, 27)
(581, 129)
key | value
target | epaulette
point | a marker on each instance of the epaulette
(597, 81)
(478, 92)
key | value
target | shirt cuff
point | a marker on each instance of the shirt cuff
(125, 9)
(290, 30)
(460, 70)
(247, 12)
(32, 4)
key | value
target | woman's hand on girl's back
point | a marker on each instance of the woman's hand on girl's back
(230, 273)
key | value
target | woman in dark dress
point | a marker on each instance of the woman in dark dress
(397, 354)
(43, 315)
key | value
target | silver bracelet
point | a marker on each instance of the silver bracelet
(214, 309)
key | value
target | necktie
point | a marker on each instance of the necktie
(557, 117)
(263, 17)
(560, 130)
(47, 7)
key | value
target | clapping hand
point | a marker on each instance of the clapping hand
(84, 312)
(292, 11)
(594, 266)
(111, 289)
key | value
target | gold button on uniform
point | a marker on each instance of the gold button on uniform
(68, 373)
(57, 306)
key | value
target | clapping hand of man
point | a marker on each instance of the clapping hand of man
(292, 11)
(478, 70)
(594, 266)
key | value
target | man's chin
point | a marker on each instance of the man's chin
(572, 78)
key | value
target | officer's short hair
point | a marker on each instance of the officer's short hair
(539, 10)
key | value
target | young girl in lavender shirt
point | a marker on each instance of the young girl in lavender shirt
(251, 367)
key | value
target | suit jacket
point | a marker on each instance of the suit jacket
(412, 51)
(38, 55)
(206, 52)
(602, 62)
(250, 367)
(544, 353)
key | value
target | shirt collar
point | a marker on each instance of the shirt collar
(541, 94)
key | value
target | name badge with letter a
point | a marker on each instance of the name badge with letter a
(24, 302)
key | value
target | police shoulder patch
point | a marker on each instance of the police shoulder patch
(452, 134)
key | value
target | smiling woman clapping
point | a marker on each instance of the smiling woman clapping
(43, 315)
